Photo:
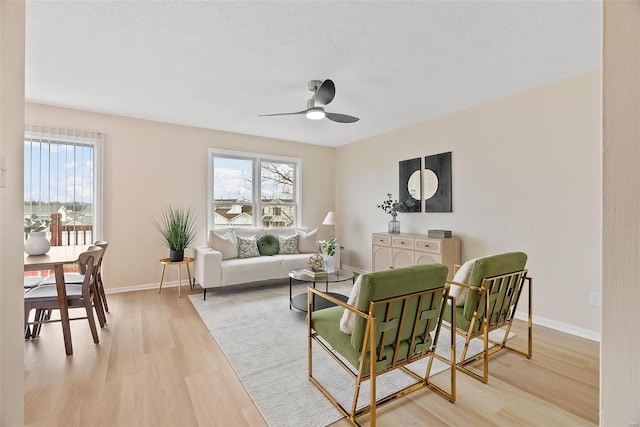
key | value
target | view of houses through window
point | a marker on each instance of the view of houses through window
(60, 183)
(253, 191)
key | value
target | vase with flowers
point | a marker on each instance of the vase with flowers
(328, 249)
(392, 207)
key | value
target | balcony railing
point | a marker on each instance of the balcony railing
(69, 234)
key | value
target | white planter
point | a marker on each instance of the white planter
(329, 263)
(37, 243)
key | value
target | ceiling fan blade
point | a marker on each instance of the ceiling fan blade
(326, 92)
(283, 114)
(341, 118)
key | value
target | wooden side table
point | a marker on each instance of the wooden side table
(186, 261)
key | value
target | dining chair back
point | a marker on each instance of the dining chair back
(44, 298)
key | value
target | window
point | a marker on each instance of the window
(253, 190)
(61, 182)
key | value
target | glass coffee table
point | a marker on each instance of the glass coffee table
(300, 301)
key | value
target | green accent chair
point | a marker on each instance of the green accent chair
(495, 285)
(398, 318)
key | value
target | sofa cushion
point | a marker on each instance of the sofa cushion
(247, 247)
(308, 241)
(226, 244)
(268, 245)
(288, 244)
(249, 232)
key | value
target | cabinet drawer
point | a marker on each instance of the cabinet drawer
(402, 242)
(431, 246)
(382, 240)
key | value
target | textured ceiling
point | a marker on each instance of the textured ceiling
(218, 64)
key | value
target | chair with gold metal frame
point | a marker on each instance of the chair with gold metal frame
(398, 317)
(502, 278)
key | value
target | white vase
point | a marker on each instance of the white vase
(37, 243)
(329, 263)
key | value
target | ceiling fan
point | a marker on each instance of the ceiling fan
(323, 93)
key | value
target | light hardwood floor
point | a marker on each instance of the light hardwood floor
(157, 365)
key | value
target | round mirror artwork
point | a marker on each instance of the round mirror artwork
(413, 185)
(430, 182)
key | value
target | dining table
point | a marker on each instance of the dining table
(55, 259)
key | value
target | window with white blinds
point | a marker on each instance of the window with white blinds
(62, 170)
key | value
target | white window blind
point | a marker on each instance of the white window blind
(62, 181)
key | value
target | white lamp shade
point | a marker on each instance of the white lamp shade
(330, 219)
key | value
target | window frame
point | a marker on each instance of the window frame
(70, 136)
(256, 193)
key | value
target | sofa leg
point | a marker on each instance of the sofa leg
(205, 294)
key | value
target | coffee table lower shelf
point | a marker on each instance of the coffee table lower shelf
(300, 301)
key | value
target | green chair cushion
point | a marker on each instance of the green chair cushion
(491, 266)
(326, 323)
(400, 281)
(380, 286)
(268, 245)
(461, 321)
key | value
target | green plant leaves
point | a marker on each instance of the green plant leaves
(177, 226)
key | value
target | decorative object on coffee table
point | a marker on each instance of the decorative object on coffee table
(328, 248)
(178, 228)
(316, 262)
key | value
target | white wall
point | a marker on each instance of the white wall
(526, 176)
(11, 235)
(619, 365)
(147, 165)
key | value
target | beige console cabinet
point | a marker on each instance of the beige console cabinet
(403, 250)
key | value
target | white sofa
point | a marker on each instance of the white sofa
(212, 271)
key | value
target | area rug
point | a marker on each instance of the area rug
(266, 343)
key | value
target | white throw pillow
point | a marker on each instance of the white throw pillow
(247, 247)
(308, 242)
(226, 244)
(348, 320)
(288, 244)
(462, 276)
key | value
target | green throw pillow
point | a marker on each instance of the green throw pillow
(268, 245)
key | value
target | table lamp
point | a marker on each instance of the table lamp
(330, 219)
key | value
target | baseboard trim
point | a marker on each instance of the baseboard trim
(144, 287)
(355, 270)
(562, 327)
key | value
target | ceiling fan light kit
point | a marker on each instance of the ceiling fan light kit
(323, 94)
(315, 113)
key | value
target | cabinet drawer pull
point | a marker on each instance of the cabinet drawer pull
(402, 243)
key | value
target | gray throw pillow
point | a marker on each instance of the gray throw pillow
(247, 247)
(288, 244)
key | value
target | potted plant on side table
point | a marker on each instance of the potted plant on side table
(37, 243)
(178, 228)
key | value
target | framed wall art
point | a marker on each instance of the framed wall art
(436, 183)
(410, 181)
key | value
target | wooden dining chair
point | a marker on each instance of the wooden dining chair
(77, 278)
(44, 298)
